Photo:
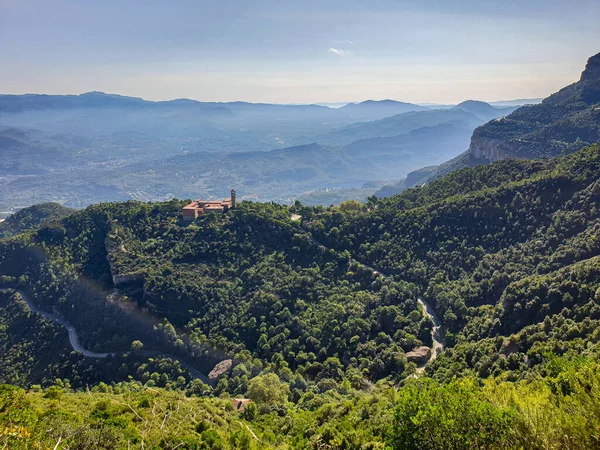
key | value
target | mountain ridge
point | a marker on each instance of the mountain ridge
(562, 123)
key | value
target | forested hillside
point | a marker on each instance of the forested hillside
(503, 252)
(249, 284)
(506, 253)
(32, 218)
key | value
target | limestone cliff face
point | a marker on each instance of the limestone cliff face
(590, 80)
(563, 123)
(490, 149)
(114, 246)
(551, 128)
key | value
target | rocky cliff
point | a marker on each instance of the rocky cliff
(563, 123)
(490, 149)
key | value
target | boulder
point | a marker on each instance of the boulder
(419, 355)
(239, 404)
(219, 370)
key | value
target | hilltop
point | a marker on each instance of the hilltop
(32, 218)
(484, 110)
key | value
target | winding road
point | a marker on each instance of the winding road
(76, 345)
(436, 332)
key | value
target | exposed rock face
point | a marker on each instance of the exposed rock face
(119, 280)
(419, 355)
(113, 247)
(219, 370)
(590, 79)
(130, 278)
(592, 68)
(488, 148)
(563, 123)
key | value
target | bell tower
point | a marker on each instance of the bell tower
(233, 203)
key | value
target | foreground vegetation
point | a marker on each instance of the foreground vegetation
(560, 411)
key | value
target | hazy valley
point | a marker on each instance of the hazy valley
(77, 150)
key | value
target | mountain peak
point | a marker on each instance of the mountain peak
(387, 101)
(592, 69)
(93, 93)
(590, 81)
(473, 103)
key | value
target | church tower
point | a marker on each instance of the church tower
(233, 204)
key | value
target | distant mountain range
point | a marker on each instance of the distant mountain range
(402, 123)
(483, 110)
(383, 108)
(367, 110)
(561, 124)
(81, 149)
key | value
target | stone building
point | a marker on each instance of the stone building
(197, 207)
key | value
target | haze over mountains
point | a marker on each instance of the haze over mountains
(81, 149)
(563, 123)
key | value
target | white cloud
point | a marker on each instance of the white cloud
(340, 51)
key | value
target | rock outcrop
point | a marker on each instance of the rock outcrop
(490, 149)
(590, 80)
(563, 123)
(239, 404)
(219, 370)
(114, 246)
(419, 355)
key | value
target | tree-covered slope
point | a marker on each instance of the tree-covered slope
(492, 248)
(249, 284)
(507, 253)
(559, 410)
(32, 217)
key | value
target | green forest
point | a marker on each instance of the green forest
(318, 311)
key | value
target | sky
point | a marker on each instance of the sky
(289, 51)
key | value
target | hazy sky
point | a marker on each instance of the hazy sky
(297, 51)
